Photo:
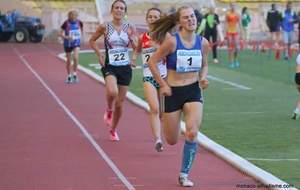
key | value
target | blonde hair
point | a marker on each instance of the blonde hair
(71, 13)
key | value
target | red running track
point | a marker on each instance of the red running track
(42, 148)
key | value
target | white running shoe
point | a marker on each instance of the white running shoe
(185, 182)
(69, 80)
(75, 78)
(216, 61)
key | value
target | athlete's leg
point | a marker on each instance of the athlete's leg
(122, 90)
(75, 58)
(151, 96)
(171, 126)
(111, 90)
(193, 116)
(68, 62)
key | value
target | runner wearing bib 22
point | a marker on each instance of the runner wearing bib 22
(116, 64)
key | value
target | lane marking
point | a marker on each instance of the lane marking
(228, 82)
(235, 113)
(78, 124)
(274, 160)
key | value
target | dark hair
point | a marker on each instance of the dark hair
(244, 9)
(273, 5)
(163, 25)
(153, 9)
(121, 1)
(198, 16)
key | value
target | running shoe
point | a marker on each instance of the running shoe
(236, 64)
(69, 80)
(216, 61)
(107, 118)
(232, 65)
(75, 78)
(159, 146)
(113, 135)
(295, 116)
(185, 182)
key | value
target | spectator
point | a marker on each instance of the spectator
(209, 25)
(232, 28)
(273, 20)
(289, 18)
(199, 17)
(246, 19)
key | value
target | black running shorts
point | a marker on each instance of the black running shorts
(181, 95)
(122, 73)
(297, 78)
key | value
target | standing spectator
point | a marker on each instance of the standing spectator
(246, 19)
(71, 31)
(210, 22)
(288, 19)
(199, 17)
(232, 28)
(273, 20)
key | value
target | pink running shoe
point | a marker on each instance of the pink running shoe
(107, 118)
(113, 135)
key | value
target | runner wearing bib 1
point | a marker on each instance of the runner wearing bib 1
(147, 50)
(117, 60)
(186, 59)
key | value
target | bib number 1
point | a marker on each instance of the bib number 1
(188, 61)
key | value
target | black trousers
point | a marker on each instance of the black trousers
(209, 33)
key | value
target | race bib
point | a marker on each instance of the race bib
(75, 34)
(188, 61)
(118, 57)
(146, 54)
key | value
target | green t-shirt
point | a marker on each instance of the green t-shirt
(245, 20)
(210, 20)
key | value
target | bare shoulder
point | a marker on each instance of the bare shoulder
(101, 28)
(170, 39)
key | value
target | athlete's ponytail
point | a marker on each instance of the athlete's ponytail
(165, 24)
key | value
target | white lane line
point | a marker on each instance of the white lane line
(78, 124)
(235, 113)
(274, 160)
(228, 82)
(98, 66)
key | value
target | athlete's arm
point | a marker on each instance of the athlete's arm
(132, 33)
(168, 46)
(204, 69)
(62, 32)
(99, 32)
(136, 51)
